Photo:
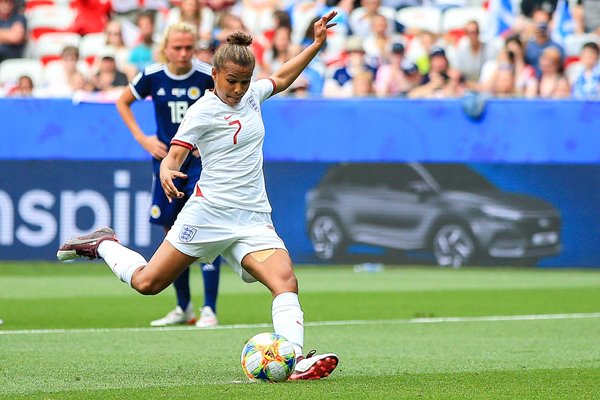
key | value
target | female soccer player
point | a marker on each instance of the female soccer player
(230, 213)
(174, 84)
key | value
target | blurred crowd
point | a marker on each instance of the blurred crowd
(66, 48)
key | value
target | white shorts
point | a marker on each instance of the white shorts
(204, 230)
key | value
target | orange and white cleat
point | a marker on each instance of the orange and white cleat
(314, 366)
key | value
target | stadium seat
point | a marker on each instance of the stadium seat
(50, 45)
(44, 19)
(91, 45)
(457, 18)
(30, 4)
(574, 42)
(12, 69)
(420, 18)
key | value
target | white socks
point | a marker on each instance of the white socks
(121, 260)
(288, 319)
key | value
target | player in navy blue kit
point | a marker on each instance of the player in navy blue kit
(174, 85)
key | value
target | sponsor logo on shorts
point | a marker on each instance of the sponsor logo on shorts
(155, 211)
(187, 233)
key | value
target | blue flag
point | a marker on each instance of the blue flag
(563, 22)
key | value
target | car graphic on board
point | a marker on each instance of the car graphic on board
(446, 209)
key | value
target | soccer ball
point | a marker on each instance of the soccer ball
(268, 357)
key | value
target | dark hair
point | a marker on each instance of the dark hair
(236, 50)
(283, 18)
(592, 46)
(514, 38)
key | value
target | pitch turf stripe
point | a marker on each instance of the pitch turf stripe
(497, 318)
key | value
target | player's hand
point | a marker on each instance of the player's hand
(155, 147)
(321, 26)
(166, 181)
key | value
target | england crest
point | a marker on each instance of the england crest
(253, 104)
(187, 233)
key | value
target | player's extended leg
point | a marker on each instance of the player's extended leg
(274, 269)
(184, 312)
(147, 278)
(210, 277)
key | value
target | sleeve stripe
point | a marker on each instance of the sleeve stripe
(135, 93)
(183, 144)
(274, 86)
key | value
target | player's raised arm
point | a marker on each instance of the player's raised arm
(169, 170)
(151, 144)
(289, 71)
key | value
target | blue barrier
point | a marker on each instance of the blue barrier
(545, 149)
(329, 130)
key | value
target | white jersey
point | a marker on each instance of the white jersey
(230, 141)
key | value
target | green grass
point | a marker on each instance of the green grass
(88, 352)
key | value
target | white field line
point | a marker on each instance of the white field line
(497, 318)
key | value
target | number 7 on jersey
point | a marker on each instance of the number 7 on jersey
(239, 128)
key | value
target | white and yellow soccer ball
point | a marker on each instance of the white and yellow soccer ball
(268, 357)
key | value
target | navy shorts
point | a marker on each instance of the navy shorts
(161, 211)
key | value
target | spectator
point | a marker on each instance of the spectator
(540, 40)
(587, 16)
(503, 84)
(563, 89)
(299, 88)
(433, 83)
(142, 54)
(586, 84)
(196, 14)
(115, 41)
(379, 43)
(361, 18)
(528, 7)
(205, 50)
(304, 13)
(280, 18)
(108, 76)
(412, 75)
(470, 53)
(13, 31)
(24, 87)
(91, 16)
(229, 23)
(420, 48)
(340, 84)
(390, 79)
(257, 15)
(281, 51)
(80, 85)
(511, 55)
(362, 85)
(58, 73)
(550, 74)
(524, 73)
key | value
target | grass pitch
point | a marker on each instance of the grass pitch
(74, 332)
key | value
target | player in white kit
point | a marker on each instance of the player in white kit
(230, 213)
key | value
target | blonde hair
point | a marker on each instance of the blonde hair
(236, 50)
(180, 27)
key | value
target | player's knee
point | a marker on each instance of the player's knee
(147, 287)
(289, 282)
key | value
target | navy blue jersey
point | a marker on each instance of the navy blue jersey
(171, 95)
